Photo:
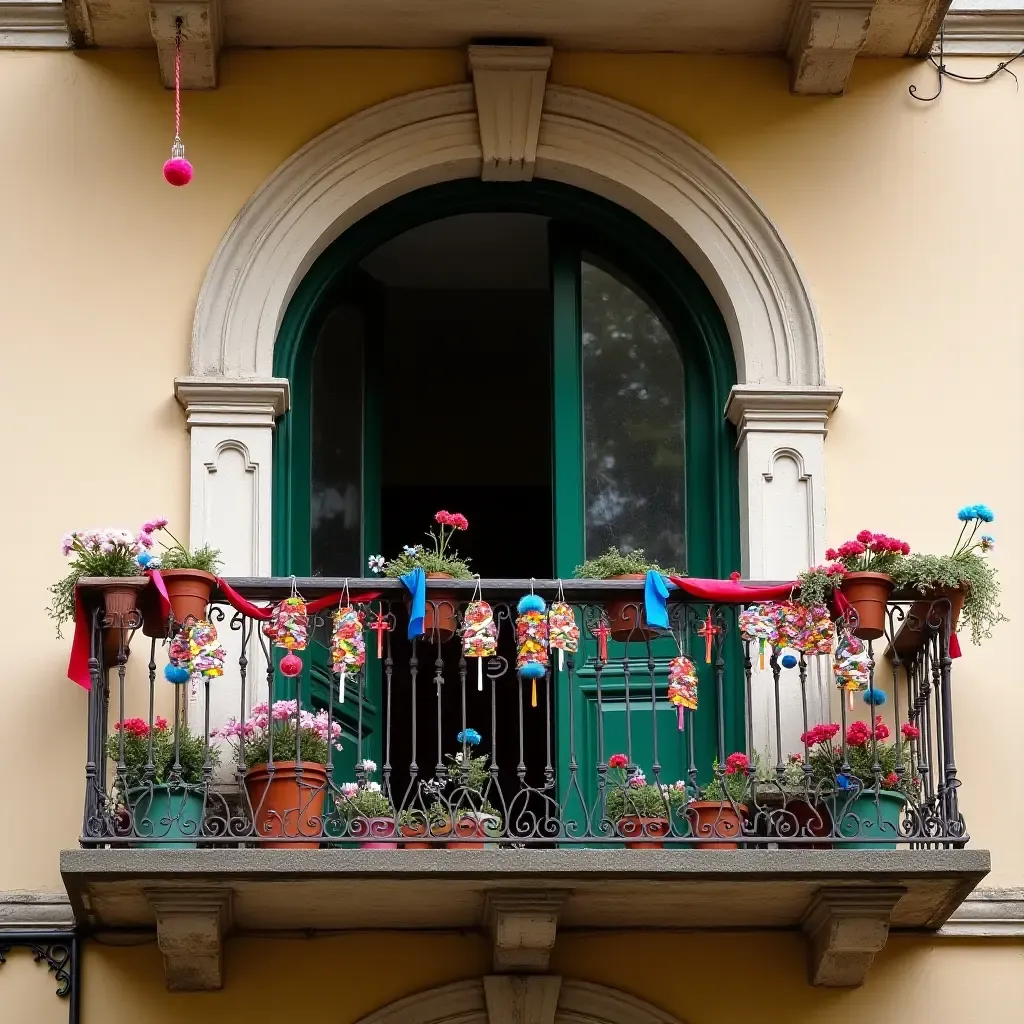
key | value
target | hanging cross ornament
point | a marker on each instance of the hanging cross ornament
(379, 624)
(177, 170)
(602, 632)
(708, 630)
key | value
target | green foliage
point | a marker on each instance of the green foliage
(723, 787)
(120, 562)
(472, 774)
(191, 756)
(826, 761)
(256, 748)
(204, 559)
(617, 563)
(793, 774)
(816, 586)
(429, 561)
(966, 570)
(364, 803)
(645, 801)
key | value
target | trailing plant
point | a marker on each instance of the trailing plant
(96, 553)
(176, 555)
(614, 562)
(182, 763)
(731, 783)
(439, 557)
(965, 569)
(281, 723)
(364, 799)
(870, 552)
(870, 761)
(818, 582)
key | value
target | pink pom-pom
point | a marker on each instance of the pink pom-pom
(291, 665)
(177, 171)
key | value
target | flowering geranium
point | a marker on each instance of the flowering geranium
(868, 760)
(731, 783)
(910, 732)
(364, 799)
(439, 558)
(618, 761)
(869, 552)
(818, 582)
(145, 755)
(736, 764)
(279, 725)
(631, 795)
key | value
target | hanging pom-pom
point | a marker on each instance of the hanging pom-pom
(531, 603)
(874, 697)
(532, 640)
(788, 660)
(291, 665)
(532, 670)
(177, 170)
(682, 685)
(176, 674)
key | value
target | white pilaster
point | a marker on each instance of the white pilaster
(231, 423)
(782, 501)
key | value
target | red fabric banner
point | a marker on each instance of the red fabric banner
(731, 590)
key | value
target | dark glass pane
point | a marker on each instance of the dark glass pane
(632, 423)
(335, 511)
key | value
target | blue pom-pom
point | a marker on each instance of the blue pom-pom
(143, 558)
(788, 661)
(531, 603)
(876, 698)
(532, 670)
(176, 673)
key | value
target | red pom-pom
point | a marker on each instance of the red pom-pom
(177, 171)
(291, 665)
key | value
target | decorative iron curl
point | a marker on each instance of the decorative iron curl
(943, 72)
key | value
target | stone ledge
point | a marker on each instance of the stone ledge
(23, 911)
(988, 914)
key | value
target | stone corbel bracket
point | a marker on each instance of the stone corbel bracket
(523, 927)
(200, 40)
(845, 928)
(190, 928)
(509, 82)
(825, 37)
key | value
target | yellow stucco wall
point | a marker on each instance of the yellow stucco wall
(903, 218)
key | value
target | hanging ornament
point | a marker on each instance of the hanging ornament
(818, 632)
(758, 622)
(380, 624)
(177, 170)
(195, 654)
(563, 633)
(708, 631)
(790, 623)
(348, 649)
(288, 627)
(479, 633)
(179, 658)
(788, 660)
(682, 685)
(532, 641)
(852, 665)
(874, 697)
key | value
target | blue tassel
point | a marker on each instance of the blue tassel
(531, 603)
(876, 698)
(789, 661)
(176, 674)
(532, 670)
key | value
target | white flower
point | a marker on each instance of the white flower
(372, 787)
(411, 550)
(367, 765)
(458, 757)
(376, 563)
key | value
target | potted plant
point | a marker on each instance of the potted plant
(818, 583)
(112, 554)
(438, 562)
(287, 795)
(870, 784)
(787, 802)
(368, 812)
(640, 811)
(466, 813)
(160, 788)
(188, 575)
(716, 817)
(965, 578)
(869, 561)
(625, 618)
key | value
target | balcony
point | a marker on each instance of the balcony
(466, 796)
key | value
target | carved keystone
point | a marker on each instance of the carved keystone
(845, 928)
(523, 926)
(190, 927)
(527, 999)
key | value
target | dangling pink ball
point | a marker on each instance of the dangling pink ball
(291, 665)
(177, 171)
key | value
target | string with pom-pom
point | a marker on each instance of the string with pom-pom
(177, 170)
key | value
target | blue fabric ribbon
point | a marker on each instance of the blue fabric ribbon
(656, 591)
(416, 583)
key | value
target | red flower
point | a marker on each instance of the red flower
(835, 569)
(737, 763)
(161, 723)
(796, 758)
(851, 549)
(459, 521)
(443, 517)
(865, 536)
(618, 761)
(891, 780)
(881, 729)
(133, 727)
(820, 734)
(904, 548)
(910, 732)
(831, 554)
(858, 734)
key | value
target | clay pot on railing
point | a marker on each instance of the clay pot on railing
(473, 826)
(189, 592)
(642, 833)
(120, 607)
(715, 823)
(440, 615)
(926, 615)
(286, 804)
(868, 592)
(413, 834)
(626, 618)
(374, 833)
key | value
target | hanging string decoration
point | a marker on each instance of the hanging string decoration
(177, 170)
(288, 627)
(179, 658)
(348, 649)
(790, 623)
(707, 631)
(852, 665)
(532, 641)
(479, 636)
(817, 634)
(563, 633)
(195, 654)
(759, 622)
(682, 685)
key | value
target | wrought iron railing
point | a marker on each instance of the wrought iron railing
(443, 750)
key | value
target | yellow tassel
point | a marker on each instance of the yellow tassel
(533, 695)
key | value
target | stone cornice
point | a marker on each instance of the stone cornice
(35, 911)
(33, 25)
(988, 914)
(983, 33)
(778, 409)
(223, 401)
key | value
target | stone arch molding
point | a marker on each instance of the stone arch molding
(509, 124)
(520, 999)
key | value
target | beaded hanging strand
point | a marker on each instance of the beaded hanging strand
(177, 170)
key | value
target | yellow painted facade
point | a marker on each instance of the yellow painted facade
(905, 220)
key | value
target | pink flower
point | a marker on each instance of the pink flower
(904, 548)
(736, 764)
(161, 723)
(881, 729)
(858, 734)
(133, 727)
(459, 521)
(831, 554)
(851, 549)
(152, 525)
(618, 761)
(820, 734)
(638, 780)
(67, 544)
(892, 780)
(835, 569)
(443, 517)
(865, 536)
(145, 541)
(349, 789)
(910, 732)
(796, 758)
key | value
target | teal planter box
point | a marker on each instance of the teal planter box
(865, 816)
(171, 814)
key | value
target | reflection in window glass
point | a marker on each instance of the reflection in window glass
(632, 424)
(335, 511)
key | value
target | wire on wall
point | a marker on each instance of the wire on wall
(944, 72)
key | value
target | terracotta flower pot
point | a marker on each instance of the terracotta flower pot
(413, 831)
(469, 826)
(375, 833)
(285, 806)
(626, 618)
(717, 821)
(189, 592)
(440, 614)
(802, 818)
(640, 833)
(120, 603)
(868, 592)
(924, 614)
